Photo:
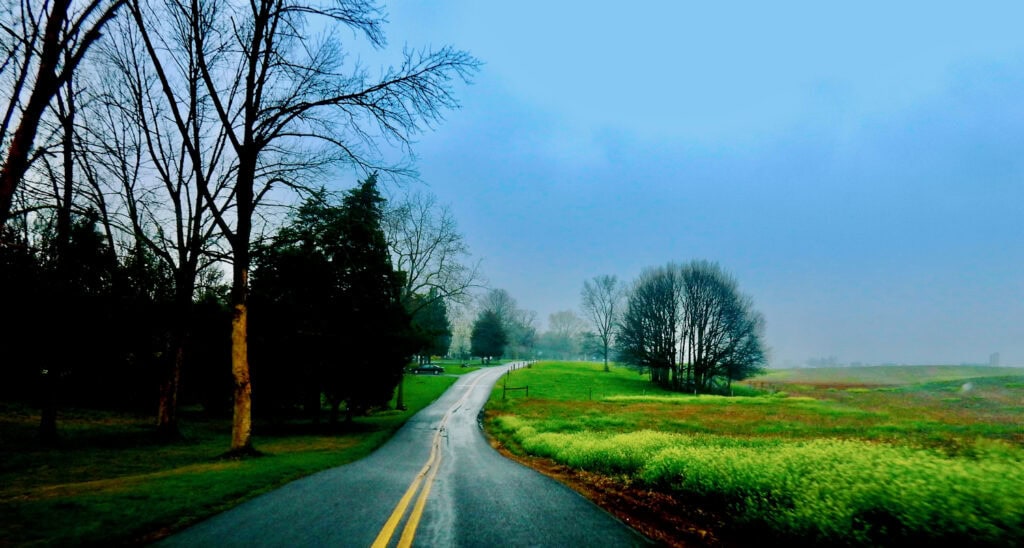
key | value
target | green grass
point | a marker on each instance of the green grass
(892, 462)
(885, 375)
(111, 483)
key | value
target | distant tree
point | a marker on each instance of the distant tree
(428, 248)
(432, 330)
(722, 338)
(520, 325)
(692, 327)
(649, 332)
(522, 334)
(562, 339)
(501, 303)
(489, 337)
(602, 306)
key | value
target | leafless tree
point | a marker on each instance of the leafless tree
(601, 299)
(43, 44)
(501, 303)
(562, 339)
(648, 334)
(690, 325)
(136, 143)
(565, 324)
(427, 246)
(275, 89)
(722, 335)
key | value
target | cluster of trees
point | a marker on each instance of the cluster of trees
(501, 328)
(688, 325)
(143, 145)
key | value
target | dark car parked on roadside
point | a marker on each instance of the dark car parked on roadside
(427, 369)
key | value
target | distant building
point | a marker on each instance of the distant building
(993, 360)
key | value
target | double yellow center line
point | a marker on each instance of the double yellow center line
(425, 477)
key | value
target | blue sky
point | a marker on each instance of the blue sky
(859, 169)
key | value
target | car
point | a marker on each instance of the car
(428, 368)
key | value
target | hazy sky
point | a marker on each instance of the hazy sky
(859, 169)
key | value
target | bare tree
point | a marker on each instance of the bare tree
(601, 299)
(722, 336)
(565, 324)
(275, 89)
(427, 246)
(652, 323)
(563, 337)
(42, 50)
(501, 303)
(136, 143)
(691, 319)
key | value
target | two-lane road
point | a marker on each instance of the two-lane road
(437, 482)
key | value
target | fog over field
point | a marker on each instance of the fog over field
(857, 168)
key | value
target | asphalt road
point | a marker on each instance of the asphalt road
(457, 491)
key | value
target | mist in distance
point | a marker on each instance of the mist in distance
(858, 169)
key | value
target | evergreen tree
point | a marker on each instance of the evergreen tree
(431, 327)
(489, 336)
(328, 317)
(375, 339)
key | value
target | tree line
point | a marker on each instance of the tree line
(147, 144)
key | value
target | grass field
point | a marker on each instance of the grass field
(839, 456)
(112, 483)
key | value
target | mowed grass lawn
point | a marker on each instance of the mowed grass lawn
(846, 457)
(111, 483)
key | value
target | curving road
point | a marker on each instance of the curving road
(437, 482)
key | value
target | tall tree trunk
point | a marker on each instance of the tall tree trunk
(241, 425)
(167, 413)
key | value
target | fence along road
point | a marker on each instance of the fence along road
(437, 482)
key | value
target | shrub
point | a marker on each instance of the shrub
(822, 490)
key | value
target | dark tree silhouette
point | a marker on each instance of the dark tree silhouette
(692, 327)
(489, 337)
(327, 310)
(648, 335)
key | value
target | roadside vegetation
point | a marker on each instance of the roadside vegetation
(113, 481)
(932, 457)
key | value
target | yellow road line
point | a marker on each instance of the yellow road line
(432, 465)
(417, 511)
(389, 526)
